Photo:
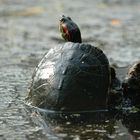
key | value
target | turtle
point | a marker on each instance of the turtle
(73, 76)
(131, 84)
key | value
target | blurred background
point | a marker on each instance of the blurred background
(29, 28)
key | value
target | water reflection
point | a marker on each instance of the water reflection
(100, 124)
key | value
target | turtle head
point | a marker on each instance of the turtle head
(69, 30)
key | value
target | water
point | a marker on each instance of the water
(28, 29)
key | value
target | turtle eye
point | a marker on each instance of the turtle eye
(62, 19)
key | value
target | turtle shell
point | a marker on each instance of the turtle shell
(75, 76)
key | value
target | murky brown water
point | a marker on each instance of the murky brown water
(28, 29)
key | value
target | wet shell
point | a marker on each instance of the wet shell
(75, 76)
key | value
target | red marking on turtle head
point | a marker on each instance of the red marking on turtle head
(66, 32)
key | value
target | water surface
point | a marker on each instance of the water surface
(28, 29)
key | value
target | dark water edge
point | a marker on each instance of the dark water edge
(28, 29)
(101, 124)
